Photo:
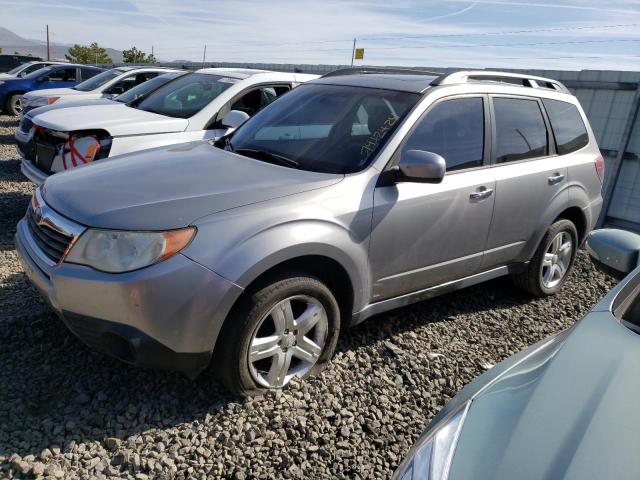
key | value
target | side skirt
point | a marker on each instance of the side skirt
(427, 293)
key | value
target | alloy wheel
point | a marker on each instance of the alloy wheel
(17, 105)
(288, 341)
(557, 259)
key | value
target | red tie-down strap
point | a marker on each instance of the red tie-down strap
(75, 156)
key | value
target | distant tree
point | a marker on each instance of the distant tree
(86, 55)
(134, 55)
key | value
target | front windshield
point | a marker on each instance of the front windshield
(97, 81)
(187, 95)
(141, 90)
(324, 128)
(19, 68)
(40, 71)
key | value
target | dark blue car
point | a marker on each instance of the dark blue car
(54, 76)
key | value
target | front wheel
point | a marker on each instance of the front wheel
(550, 266)
(288, 328)
(14, 105)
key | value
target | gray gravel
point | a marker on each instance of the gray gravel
(66, 411)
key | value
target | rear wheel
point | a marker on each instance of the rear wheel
(13, 105)
(287, 328)
(550, 266)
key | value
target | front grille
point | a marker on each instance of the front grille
(52, 243)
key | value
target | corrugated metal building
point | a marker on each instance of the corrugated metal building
(610, 99)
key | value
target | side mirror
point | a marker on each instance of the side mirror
(421, 167)
(615, 252)
(234, 119)
(115, 91)
(43, 79)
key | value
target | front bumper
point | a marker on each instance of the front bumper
(167, 315)
(32, 172)
(26, 150)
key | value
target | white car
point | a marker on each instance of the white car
(108, 84)
(202, 105)
(26, 68)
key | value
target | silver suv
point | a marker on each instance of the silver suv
(351, 195)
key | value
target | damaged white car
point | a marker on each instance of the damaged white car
(197, 106)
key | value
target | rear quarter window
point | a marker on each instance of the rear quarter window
(567, 124)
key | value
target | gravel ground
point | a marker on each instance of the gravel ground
(66, 411)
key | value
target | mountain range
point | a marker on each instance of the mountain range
(11, 42)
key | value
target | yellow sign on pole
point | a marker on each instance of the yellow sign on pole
(359, 54)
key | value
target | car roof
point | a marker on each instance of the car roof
(414, 83)
(232, 72)
(127, 68)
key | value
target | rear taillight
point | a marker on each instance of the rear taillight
(600, 167)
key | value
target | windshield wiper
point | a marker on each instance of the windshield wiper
(267, 157)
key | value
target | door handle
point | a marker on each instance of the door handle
(555, 179)
(481, 194)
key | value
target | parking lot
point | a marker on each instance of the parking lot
(66, 411)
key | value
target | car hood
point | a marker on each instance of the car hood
(171, 187)
(71, 103)
(566, 412)
(5, 76)
(116, 118)
(49, 92)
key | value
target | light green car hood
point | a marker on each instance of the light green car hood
(568, 411)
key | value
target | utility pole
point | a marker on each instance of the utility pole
(204, 55)
(353, 52)
(48, 48)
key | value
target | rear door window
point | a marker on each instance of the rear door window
(63, 75)
(568, 126)
(521, 133)
(454, 129)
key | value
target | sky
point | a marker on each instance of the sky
(546, 34)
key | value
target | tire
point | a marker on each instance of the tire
(549, 268)
(280, 344)
(12, 107)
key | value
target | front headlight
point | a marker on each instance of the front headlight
(51, 100)
(122, 251)
(430, 458)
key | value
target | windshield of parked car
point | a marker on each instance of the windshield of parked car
(323, 128)
(39, 72)
(141, 90)
(185, 96)
(98, 81)
(19, 68)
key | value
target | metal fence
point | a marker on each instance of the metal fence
(610, 99)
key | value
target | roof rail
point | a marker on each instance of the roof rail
(464, 76)
(368, 70)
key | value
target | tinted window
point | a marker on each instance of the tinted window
(521, 132)
(567, 125)
(88, 73)
(62, 75)
(453, 129)
(324, 128)
(187, 95)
